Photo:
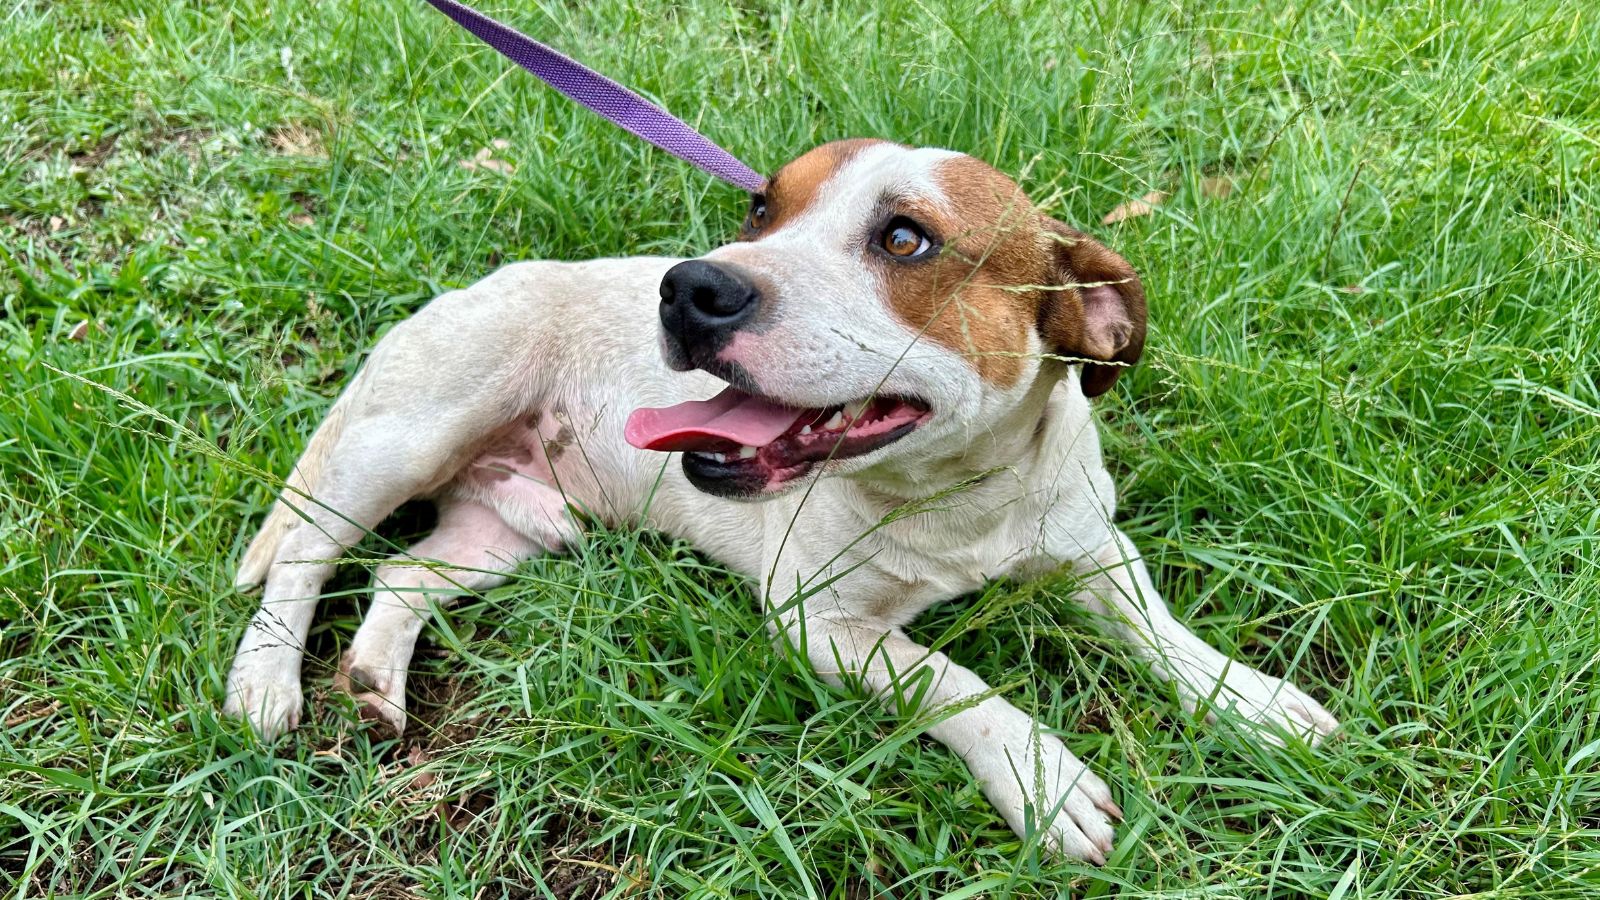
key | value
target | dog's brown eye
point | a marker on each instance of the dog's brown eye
(902, 238)
(758, 212)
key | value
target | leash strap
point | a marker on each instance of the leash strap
(624, 108)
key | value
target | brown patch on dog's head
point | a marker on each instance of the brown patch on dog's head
(1098, 310)
(998, 273)
(978, 294)
(790, 191)
(1002, 269)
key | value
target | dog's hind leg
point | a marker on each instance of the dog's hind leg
(376, 465)
(380, 458)
(432, 388)
(472, 549)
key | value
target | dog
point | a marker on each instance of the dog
(876, 400)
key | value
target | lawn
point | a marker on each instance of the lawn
(1364, 448)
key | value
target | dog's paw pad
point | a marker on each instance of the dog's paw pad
(377, 709)
(379, 696)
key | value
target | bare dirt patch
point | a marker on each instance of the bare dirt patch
(298, 139)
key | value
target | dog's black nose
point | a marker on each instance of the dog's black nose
(701, 305)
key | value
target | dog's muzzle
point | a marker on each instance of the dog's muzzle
(702, 304)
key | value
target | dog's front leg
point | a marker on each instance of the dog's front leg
(1031, 777)
(1118, 588)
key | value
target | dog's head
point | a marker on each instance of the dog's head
(883, 307)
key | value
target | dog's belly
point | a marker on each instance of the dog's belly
(517, 472)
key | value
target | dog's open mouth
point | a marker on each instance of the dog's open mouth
(754, 444)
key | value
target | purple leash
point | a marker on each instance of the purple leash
(625, 109)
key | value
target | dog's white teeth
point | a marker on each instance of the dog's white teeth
(719, 457)
(747, 452)
(805, 429)
(834, 421)
(854, 410)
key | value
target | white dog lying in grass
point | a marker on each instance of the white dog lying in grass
(893, 324)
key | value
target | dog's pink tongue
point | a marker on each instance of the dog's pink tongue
(709, 424)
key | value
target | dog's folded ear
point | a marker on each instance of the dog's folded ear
(1094, 309)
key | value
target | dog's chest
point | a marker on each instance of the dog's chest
(954, 553)
(895, 570)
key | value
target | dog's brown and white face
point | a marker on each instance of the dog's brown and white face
(881, 303)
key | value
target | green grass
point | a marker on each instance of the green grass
(1365, 445)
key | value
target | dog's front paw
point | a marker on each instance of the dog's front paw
(1263, 700)
(1039, 786)
(266, 693)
